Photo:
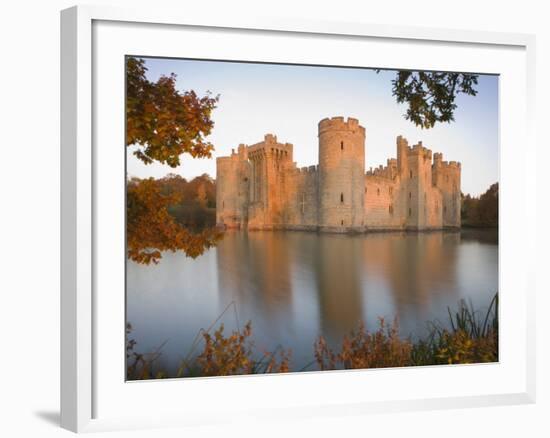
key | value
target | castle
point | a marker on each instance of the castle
(260, 187)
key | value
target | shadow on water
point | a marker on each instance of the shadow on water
(482, 235)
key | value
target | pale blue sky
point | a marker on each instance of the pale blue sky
(289, 101)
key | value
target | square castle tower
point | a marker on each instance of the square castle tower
(259, 187)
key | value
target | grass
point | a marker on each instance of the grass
(471, 338)
(468, 337)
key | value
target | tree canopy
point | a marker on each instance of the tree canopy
(163, 121)
(430, 96)
(151, 228)
(482, 211)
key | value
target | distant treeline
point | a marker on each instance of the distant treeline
(170, 214)
(197, 208)
(481, 211)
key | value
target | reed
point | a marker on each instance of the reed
(469, 336)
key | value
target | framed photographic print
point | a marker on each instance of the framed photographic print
(281, 218)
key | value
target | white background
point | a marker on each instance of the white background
(29, 218)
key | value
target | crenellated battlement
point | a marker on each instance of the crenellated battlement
(420, 150)
(269, 147)
(338, 123)
(402, 141)
(388, 171)
(307, 169)
(439, 163)
(270, 138)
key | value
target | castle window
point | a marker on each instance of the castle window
(223, 204)
(378, 192)
(411, 174)
(365, 190)
(391, 190)
(410, 212)
(410, 195)
(342, 198)
(444, 209)
(245, 179)
(342, 145)
(342, 222)
(391, 209)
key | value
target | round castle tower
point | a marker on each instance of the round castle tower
(341, 173)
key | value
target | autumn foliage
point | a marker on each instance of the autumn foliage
(221, 355)
(151, 229)
(363, 349)
(235, 354)
(469, 338)
(163, 121)
(196, 208)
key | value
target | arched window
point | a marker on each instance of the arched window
(410, 212)
(390, 209)
(410, 195)
(342, 222)
(342, 145)
(411, 174)
(342, 198)
(378, 192)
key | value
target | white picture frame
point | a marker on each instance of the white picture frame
(90, 401)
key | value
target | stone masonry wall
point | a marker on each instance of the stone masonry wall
(446, 178)
(302, 198)
(341, 173)
(382, 203)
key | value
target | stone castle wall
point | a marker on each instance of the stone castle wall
(260, 187)
(302, 195)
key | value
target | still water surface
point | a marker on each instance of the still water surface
(295, 286)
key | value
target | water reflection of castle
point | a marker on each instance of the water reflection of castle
(262, 269)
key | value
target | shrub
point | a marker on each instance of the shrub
(363, 349)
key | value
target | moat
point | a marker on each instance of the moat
(295, 286)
